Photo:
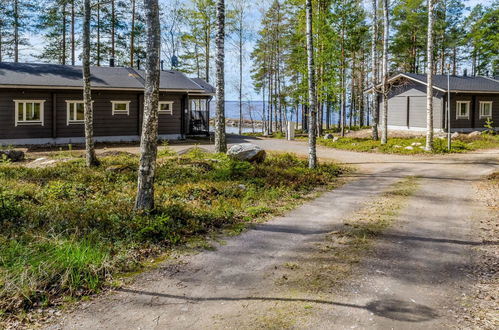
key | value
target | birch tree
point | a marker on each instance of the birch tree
(312, 125)
(429, 80)
(386, 32)
(149, 140)
(220, 139)
(91, 158)
(374, 73)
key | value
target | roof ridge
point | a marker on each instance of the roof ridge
(489, 78)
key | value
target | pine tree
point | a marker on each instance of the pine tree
(54, 23)
(200, 19)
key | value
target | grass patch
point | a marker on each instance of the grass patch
(412, 146)
(66, 230)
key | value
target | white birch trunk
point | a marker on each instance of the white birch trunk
(386, 32)
(220, 139)
(312, 96)
(91, 158)
(149, 139)
(429, 75)
(374, 74)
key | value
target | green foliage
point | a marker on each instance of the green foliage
(489, 125)
(412, 145)
(65, 230)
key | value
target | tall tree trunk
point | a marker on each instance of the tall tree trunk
(98, 33)
(149, 139)
(240, 32)
(220, 139)
(90, 156)
(73, 50)
(64, 23)
(113, 30)
(132, 35)
(343, 83)
(384, 119)
(16, 31)
(312, 96)
(454, 61)
(429, 78)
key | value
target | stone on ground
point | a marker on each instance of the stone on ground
(475, 133)
(328, 136)
(247, 152)
(12, 155)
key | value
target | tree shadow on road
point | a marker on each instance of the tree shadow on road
(391, 308)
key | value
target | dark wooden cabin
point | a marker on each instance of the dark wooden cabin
(473, 100)
(42, 104)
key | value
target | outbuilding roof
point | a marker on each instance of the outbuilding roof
(465, 84)
(35, 75)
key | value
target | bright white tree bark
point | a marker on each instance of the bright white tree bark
(220, 139)
(149, 140)
(429, 78)
(91, 158)
(374, 73)
(386, 33)
(312, 97)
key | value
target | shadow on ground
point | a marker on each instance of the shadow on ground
(390, 308)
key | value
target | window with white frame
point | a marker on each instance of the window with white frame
(165, 108)
(29, 112)
(198, 105)
(75, 112)
(463, 110)
(485, 109)
(121, 107)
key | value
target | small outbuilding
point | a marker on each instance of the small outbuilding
(473, 100)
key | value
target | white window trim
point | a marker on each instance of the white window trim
(170, 112)
(29, 122)
(485, 116)
(73, 122)
(458, 109)
(121, 112)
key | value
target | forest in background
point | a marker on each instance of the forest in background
(274, 49)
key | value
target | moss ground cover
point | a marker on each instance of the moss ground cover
(66, 230)
(403, 145)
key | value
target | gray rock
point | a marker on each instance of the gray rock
(455, 135)
(409, 148)
(247, 152)
(12, 155)
(328, 136)
(475, 133)
(415, 144)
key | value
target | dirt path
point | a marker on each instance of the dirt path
(412, 280)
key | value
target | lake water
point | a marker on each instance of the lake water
(255, 108)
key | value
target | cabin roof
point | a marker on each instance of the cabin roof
(36, 75)
(457, 83)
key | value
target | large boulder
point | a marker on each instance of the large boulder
(12, 155)
(328, 136)
(247, 152)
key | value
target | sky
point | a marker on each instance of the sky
(232, 64)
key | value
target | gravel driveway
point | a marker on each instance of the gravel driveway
(414, 278)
